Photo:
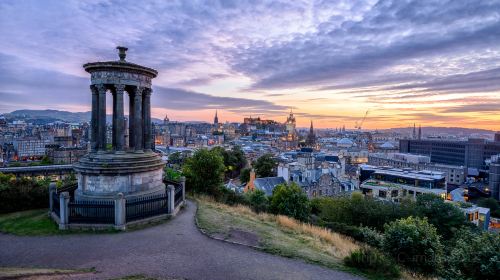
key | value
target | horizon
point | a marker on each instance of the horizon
(433, 64)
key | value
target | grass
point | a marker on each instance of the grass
(32, 222)
(41, 273)
(278, 235)
(37, 222)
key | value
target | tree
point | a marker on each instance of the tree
(492, 204)
(234, 160)
(473, 256)
(264, 166)
(245, 175)
(204, 172)
(172, 174)
(257, 200)
(289, 200)
(446, 217)
(414, 242)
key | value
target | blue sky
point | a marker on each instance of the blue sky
(429, 62)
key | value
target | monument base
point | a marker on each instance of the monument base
(101, 176)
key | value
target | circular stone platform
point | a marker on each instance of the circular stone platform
(102, 176)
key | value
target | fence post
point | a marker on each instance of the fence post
(183, 183)
(52, 190)
(171, 199)
(64, 210)
(120, 212)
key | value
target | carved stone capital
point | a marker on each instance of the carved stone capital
(101, 88)
(119, 88)
(138, 91)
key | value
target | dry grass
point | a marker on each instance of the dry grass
(337, 245)
(342, 245)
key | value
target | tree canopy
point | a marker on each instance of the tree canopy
(264, 166)
(204, 171)
(291, 201)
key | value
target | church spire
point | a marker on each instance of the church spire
(216, 118)
(419, 132)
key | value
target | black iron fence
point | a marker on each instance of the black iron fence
(91, 212)
(145, 207)
(55, 204)
(178, 197)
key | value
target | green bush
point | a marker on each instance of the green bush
(204, 172)
(446, 217)
(290, 200)
(362, 234)
(414, 243)
(229, 197)
(357, 210)
(22, 194)
(370, 260)
(473, 256)
(257, 200)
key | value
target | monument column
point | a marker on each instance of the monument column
(118, 119)
(138, 127)
(131, 110)
(94, 127)
(102, 118)
(146, 109)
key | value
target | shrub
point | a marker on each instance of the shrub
(372, 261)
(362, 234)
(289, 200)
(22, 194)
(473, 256)
(257, 200)
(414, 243)
(446, 217)
(226, 196)
(204, 172)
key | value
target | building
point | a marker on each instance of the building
(64, 155)
(455, 175)
(472, 153)
(30, 147)
(494, 177)
(266, 184)
(394, 184)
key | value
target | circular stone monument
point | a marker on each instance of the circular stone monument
(128, 167)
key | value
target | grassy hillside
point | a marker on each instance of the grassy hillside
(275, 234)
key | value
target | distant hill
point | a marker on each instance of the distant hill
(457, 131)
(48, 116)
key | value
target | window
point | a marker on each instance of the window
(394, 193)
(382, 194)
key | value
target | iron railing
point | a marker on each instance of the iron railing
(91, 212)
(145, 207)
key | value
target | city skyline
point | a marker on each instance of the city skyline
(424, 62)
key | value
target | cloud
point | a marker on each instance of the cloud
(180, 99)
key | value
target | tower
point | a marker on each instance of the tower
(414, 134)
(216, 119)
(135, 171)
(419, 132)
(166, 120)
(311, 137)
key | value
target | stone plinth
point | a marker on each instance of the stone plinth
(103, 176)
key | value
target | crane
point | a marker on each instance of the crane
(360, 123)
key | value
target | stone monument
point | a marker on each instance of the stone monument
(133, 169)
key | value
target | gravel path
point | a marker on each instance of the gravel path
(173, 249)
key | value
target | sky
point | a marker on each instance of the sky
(433, 63)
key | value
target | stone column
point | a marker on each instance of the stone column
(183, 183)
(131, 110)
(146, 116)
(52, 190)
(120, 212)
(94, 126)
(102, 119)
(171, 199)
(138, 130)
(118, 117)
(64, 210)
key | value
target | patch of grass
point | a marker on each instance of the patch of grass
(32, 222)
(34, 273)
(37, 222)
(277, 234)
